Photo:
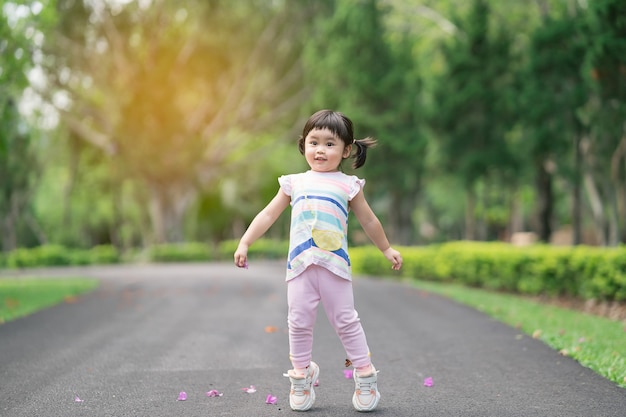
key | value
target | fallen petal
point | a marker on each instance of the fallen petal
(347, 373)
(182, 396)
(428, 382)
(245, 265)
(77, 400)
(250, 390)
(214, 393)
(316, 383)
(271, 329)
(271, 399)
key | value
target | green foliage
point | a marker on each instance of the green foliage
(180, 252)
(57, 255)
(104, 254)
(473, 97)
(261, 249)
(578, 272)
(189, 99)
(19, 167)
(48, 255)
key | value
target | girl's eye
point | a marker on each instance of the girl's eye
(330, 144)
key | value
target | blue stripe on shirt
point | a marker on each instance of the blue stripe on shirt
(307, 244)
(323, 198)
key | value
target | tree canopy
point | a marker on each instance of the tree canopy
(134, 122)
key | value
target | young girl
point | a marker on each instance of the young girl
(318, 267)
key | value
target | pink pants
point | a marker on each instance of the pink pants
(304, 293)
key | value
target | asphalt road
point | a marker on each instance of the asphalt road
(150, 332)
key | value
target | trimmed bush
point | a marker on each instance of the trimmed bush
(47, 255)
(262, 248)
(104, 254)
(582, 272)
(180, 252)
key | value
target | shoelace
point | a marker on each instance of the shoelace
(365, 387)
(299, 386)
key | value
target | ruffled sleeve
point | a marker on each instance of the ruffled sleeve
(356, 184)
(285, 183)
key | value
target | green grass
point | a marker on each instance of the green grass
(23, 296)
(595, 342)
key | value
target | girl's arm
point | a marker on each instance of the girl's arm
(374, 229)
(260, 225)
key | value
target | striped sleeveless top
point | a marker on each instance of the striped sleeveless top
(319, 220)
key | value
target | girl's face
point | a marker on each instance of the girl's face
(324, 151)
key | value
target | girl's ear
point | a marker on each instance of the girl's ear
(347, 151)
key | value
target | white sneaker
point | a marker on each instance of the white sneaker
(366, 395)
(302, 395)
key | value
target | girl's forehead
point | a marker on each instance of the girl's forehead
(322, 132)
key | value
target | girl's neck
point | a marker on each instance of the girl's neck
(325, 172)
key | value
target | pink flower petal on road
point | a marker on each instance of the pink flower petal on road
(182, 396)
(214, 393)
(347, 373)
(316, 383)
(77, 400)
(245, 265)
(271, 399)
(250, 390)
(428, 382)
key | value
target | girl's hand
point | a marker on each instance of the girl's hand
(241, 256)
(394, 257)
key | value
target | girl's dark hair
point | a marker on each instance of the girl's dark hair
(341, 126)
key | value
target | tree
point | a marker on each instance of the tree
(473, 112)
(168, 92)
(606, 110)
(19, 166)
(551, 93)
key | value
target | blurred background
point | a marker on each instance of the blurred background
(134, 123)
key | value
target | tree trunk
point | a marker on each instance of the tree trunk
(470, 219)
(613, 223)
(597, 208)
(618, 173)
(168, 205)
(9, 235)
(516, 222)
(545, 201)
(401, 228)
(576, 194)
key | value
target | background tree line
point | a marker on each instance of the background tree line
(139, 122)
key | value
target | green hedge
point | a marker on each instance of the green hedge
(582, 272)
(262, 248)
(181, 252)
(202, 252)
(56, 255)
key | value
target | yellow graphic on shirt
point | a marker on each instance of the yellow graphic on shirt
(327, 239)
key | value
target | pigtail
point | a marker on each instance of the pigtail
(360, 155)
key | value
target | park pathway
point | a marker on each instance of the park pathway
(152, 331)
